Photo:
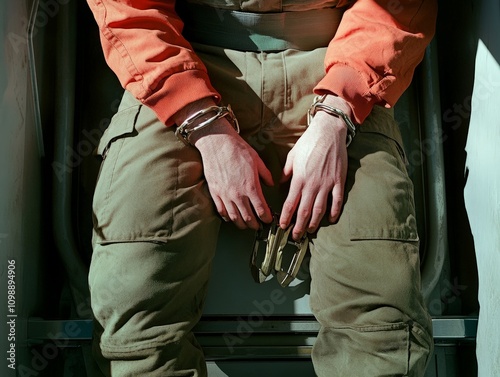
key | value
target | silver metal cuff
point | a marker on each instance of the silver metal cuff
(189, 126)
(318, 105)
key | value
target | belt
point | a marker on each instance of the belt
(245, 31)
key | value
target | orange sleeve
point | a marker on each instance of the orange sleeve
(143, 45)
(372, 58)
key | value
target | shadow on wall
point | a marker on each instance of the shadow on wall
(457, 47)
(469, 44)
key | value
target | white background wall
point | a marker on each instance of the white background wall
(482, 191)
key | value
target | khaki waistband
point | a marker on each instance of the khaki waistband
(246, 31)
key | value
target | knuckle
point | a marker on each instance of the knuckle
(313, 224)
(337, 203)
(259, 208)
(318, 209)
(304, 213)
(260, 211)
(298, 233)
(234, 217)
(288, 207)
(248, 218)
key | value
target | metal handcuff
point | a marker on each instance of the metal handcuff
(270, 245)
(274, 238)
(318, 105)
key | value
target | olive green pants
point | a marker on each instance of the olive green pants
(156, 230)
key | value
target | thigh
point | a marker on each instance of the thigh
(365, 269)
(150, 186)
(375, 240)
(155, 233)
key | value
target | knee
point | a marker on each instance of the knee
(145, 291)
(144, 317)
(115, 280)
(398, 349)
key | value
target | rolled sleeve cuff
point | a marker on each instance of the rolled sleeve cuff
(347, 83)
(179, 90)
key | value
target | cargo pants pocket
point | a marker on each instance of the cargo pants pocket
(381, 192)
(121, 127)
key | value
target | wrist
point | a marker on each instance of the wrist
(219, 127)
(192, 108)
(339, 103)
(207, 120)
(329, 106)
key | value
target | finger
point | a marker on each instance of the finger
(304, 213)
(318, 211)
(247, 214)
(290, 204)
(337, 202)
(287, 169)
(234, 216)
(264, 173)
(221, 209)
(257, 199)
(260, 206)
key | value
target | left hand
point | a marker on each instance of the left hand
(317, 165)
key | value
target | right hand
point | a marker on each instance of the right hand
(233, 170)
